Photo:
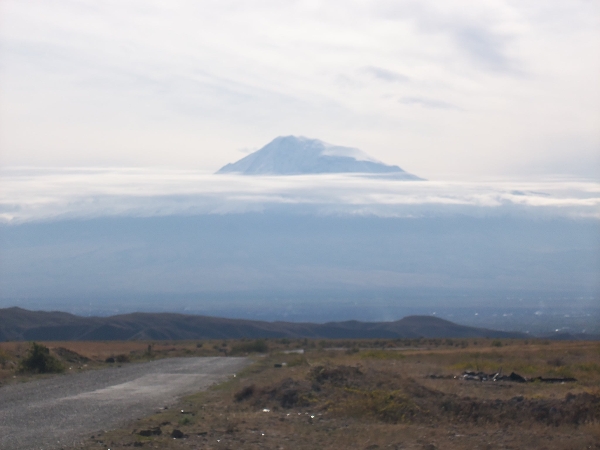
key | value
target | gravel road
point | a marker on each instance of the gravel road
(58, 412)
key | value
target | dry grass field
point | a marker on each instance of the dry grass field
(369, 394)
(80, 356)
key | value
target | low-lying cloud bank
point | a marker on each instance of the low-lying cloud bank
(31, 194)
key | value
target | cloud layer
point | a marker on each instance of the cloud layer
(29, 194)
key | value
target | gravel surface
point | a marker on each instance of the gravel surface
(58, 412)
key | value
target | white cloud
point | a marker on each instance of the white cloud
(488, 87)
(28, 194)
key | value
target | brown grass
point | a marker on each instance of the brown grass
(382, 397)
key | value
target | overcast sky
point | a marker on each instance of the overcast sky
(469, 88)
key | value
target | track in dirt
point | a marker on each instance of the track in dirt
(60, 411)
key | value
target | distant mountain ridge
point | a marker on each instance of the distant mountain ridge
(291, 155)
(18, 324)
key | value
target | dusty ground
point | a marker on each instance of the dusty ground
(56, 412)
(381, 394)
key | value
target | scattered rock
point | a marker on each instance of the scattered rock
(177, 434)
(554, 380)
(514, 377)
(156, 431)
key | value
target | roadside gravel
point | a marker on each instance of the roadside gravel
(58, 412)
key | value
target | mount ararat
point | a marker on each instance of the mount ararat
(291, 155)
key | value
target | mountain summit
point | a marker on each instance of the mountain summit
(291, 155)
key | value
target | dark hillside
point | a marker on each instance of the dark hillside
(18, 324)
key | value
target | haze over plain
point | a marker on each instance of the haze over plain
(115, 117)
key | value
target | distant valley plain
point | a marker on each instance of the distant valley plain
(505, 273)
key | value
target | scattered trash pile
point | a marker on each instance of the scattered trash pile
(515, 377)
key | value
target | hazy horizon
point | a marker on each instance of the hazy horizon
(506, 254)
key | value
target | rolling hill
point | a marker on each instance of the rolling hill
(18, 324)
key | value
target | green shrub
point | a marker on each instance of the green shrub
(39, 360)
(185, 421)
(496, 343)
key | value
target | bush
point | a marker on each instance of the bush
(4, 358)
(39, 360)
(258, 346)
(122, 358)
(185, 421)
(244, 393)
